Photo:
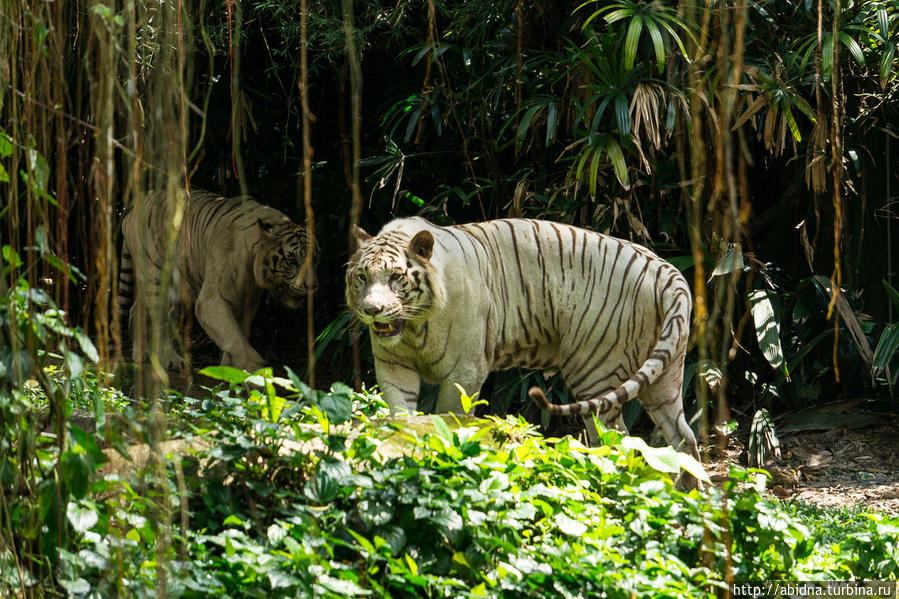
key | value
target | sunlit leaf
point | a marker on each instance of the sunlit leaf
(81, 517)
(666, 459)
(791, 123)
(854, 49)
(229, 374)
(570, 526)
(617, 158)
(767, 327)
(413, 567)
(883, 23)
(731, 261)
(594, 171)
(657, 43)
(763, 442)
(630, 43)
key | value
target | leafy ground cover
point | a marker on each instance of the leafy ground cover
(264, 487)
(299, 493)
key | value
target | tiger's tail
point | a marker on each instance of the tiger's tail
(125, 297)
(673, 333)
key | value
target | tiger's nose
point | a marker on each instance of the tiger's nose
(373, 310)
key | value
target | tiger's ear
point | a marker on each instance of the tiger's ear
(422, 245)
(265, 227)
(359, 237)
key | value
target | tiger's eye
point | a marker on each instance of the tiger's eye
(395, 277)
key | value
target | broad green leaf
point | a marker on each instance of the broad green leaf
(791, 123)
(854, 49)
(278, 579)
(4, 175)
(570, 526)
(767, 327)
(525, 123)
(666, 459)
(82, 440)
(441, 428)
(617, 15)
(413, 567)
(87, 346)
(11, 257)
(338, 587)
(275, 534)
(81, 517)
(6, 145)
(886, 347)
(338, 407)
(76, 588)
(76, 473)
(233, 520)
(229, 374)
(618, 163)
(657, 44)
(622, 115)
(886, 63)
(74, 362)
(631, 41)
(594, 171)
(324, 485)
(883, 23)
(363, 542)
(827, 54)
(676, 37)
(763, 442)
(304, 391)
(421, 53)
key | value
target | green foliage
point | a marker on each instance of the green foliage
(45, 459)
(283, 498)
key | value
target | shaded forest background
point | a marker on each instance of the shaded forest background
(738, 140)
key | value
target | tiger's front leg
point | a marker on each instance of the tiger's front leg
(449, 398)
(399, 385)
(217, 319)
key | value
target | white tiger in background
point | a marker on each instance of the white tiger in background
(451, 304)
(227, 252)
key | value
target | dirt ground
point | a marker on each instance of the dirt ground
(832, 468)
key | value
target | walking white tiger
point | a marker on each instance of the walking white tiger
(227, 253)
(451, 304)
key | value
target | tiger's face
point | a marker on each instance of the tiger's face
(282, 266)
(389, 281)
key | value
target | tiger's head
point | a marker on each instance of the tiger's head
(391, 282)
(281, 265)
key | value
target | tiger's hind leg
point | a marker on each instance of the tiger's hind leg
(662, 401)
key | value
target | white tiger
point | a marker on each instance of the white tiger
(227, 253)
(451, 304)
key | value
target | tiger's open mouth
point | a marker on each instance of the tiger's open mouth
(388, 329)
